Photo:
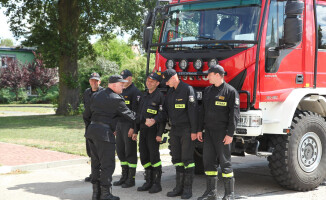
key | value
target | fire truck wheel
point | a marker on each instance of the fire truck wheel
(298, 161)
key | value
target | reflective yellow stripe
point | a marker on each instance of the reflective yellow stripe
(180, 164)
(190, 165)
(152, 111)
(211, 173)
(220, 103)
(229, 175)
(180, 105)
(147, 165)
(132, 165)
(127, 102)
(123, 163)
(157, 164)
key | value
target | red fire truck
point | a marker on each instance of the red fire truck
(274, 54)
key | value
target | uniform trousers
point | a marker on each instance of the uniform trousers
(103, 161)
(149, 147)
(182, 147)
(216, 153)
(126, 147)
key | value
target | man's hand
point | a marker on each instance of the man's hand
(134, 137)
(200, 136)
(193, 136)
(158, 139)
(227, 140)
(115, 133)
(150, 122)
(130, 132)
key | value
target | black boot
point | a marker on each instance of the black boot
(88, 178)
(188, 179)
(130, 182)
(210, 193)
(124, 176)
(229, 188)
(177, 191)
(148, 178)
(156, 187)
(96, 191)
(106, 193)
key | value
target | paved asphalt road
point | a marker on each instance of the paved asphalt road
(253, 181)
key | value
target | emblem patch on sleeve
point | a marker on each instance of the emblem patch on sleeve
(237, 101)
(191, 98)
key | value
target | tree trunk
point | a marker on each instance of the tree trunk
(68, 69)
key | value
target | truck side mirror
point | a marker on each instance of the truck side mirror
(146, 34)
(148, 19)
(293, 23)
(292, 30)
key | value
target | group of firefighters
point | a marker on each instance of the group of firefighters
(114, 116)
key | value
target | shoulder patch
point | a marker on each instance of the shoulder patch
(154, 104)
(237, 101)
(221, 97)
(191, 98)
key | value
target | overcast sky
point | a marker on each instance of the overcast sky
(4, 28)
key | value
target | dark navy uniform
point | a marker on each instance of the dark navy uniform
(106, 108)
(181, 107)
(126, 147)
(86, 114)
(219, 117)
(151, 106)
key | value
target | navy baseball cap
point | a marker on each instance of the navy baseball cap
(155, 77)
(116, 79)
(167, 74)
(95, 76)
(126, 73)
(216, 69)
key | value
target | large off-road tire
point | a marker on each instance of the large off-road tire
(299, 159)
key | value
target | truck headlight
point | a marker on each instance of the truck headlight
(250, 121)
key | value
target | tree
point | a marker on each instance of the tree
(40, 77)
(13, 77)
(6, 42)
(61, 30)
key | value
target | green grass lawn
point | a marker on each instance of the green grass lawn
(58, 133)
(34, 108)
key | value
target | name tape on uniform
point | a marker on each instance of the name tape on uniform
(220, 103)
(152, 111)
(180, 105)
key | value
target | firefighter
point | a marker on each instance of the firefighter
(94, 81)
(126, 147)
(181, 108)
(219, 115)
(106, 106)
(151, 123)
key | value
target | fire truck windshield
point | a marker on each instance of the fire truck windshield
(220, 20)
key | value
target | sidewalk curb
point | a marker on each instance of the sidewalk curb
(36, 166)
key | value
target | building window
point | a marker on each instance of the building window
(5, 59)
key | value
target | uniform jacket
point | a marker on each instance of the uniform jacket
(181, 106)
(132, 97)
(106, 108)
(220, 108)
(87, 101)
(151, 106)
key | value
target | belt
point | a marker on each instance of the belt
(101, 123)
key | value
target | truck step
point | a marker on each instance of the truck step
(264, 154)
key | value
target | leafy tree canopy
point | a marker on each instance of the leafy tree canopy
(6, 42)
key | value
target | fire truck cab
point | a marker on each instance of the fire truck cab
(274, 54)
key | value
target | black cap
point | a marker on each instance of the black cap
(116, 79)
(167, 74)
(216, 69)
(155, 77)
(126, 73)
(95, 76)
